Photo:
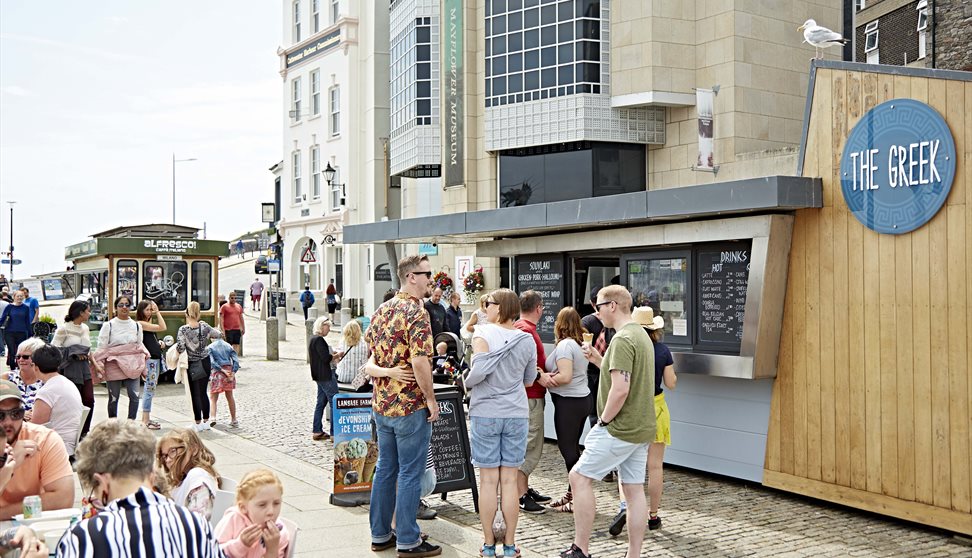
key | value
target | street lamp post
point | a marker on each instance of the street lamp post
(174, 161)
(11, 255)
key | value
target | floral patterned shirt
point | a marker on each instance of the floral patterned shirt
(399, 331)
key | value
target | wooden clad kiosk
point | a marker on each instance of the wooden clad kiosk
(872, 402)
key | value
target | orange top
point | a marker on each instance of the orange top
(49, 464)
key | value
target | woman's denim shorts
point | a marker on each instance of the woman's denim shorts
(498, 442)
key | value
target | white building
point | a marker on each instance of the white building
(335, 115)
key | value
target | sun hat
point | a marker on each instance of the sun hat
(645, 316)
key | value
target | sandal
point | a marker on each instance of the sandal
(567, 508)
(511, 551)
(488, 550)
(152, 425)
(564, 500)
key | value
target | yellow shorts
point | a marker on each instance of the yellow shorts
(663, 421)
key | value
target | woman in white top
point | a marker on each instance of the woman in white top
(74, 339)
(122, 330)
(58, 403)
(571, 396)
(189, 467)
(353, 355)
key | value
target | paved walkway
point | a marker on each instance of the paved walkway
(704, 515)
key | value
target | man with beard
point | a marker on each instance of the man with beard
(400, 336)
(437, 312)
(34, 463)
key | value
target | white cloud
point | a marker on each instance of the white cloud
(14, 90)
(70, 49)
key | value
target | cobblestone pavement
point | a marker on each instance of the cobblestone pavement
(703, 515)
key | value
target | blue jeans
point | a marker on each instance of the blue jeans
(325, 394)
(152, 367)
(403, 449)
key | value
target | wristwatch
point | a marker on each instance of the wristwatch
(602, 423)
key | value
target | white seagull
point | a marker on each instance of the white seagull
(820, 37)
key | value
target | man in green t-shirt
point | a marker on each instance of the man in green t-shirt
(625, 425)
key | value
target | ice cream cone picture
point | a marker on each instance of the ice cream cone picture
(357, 450)
(370, 461)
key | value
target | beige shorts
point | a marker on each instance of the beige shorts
(534, 447)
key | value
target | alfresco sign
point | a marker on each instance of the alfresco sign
(170, 246)
(898, 166)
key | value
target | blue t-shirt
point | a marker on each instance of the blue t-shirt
(34, 306)
(663, 358)
(20, 318)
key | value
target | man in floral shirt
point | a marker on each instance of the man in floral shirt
(400, 336)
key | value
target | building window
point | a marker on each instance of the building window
(871, 42)
(335, 97)
(298, 189)
(858, 5)
(922, 28)
(336, 190)
(538, 51)
(126, 280)
(335, 11)
(316, 172)
(414, 91)
(297, 21)
(202, 284)
(316, 92)
(295, 96)
(316, 15)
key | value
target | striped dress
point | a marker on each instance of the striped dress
(144, 524)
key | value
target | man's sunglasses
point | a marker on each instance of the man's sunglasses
(599, 304)
(428, 274)
(14, 414)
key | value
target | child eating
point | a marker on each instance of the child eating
(250, 529)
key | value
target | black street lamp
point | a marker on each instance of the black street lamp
(329, 176)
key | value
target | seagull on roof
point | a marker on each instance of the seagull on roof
(820, 37)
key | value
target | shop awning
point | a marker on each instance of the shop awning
(753, 195)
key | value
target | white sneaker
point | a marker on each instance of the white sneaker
(197, 427)
(204, 426)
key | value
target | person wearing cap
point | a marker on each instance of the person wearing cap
(664, 374)
(34, 462)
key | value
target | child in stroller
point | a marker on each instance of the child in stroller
(448, 364)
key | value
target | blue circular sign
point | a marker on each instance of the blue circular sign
(898, 166)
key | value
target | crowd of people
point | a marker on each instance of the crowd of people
(608, 368)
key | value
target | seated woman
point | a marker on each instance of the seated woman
(58, 403)
(188, 465)
(28, 388)
(115, 465)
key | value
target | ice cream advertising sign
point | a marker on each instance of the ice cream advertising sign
(355, 452)
(897, 166)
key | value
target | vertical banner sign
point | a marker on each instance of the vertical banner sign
(464, 266)
(705, 107)
(452, 81)
(355, 450)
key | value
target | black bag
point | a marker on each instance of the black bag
(197, 371)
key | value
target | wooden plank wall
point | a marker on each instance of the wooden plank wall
(873, 399)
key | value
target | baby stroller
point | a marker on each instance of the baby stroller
(448, 368)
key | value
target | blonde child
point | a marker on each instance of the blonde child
(251, 528)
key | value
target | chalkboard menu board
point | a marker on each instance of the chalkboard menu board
(450, 446)
(723, 275)
(544, 274)
(278, 297)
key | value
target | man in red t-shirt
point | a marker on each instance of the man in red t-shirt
(531, 308)
(231, 319)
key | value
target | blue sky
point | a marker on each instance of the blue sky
(96, 96)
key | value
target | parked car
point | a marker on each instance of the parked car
(261, 265)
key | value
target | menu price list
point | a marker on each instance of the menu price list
(545, 275)
(450, 451)
(723, 280)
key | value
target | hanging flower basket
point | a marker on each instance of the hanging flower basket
(474, 282)
(443, 281)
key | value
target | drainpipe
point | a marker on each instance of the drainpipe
(393, 264)
(849, 31)
(934, 33)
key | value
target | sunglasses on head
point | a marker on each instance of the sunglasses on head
(14, 414)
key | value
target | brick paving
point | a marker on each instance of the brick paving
(703, 515)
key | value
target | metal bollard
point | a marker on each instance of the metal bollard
(312, 313)
(282, 322)
(309, 330)
(273, 345)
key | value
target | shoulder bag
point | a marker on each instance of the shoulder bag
(196, 369)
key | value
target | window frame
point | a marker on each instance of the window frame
(204, 304)
(316, 172)
(118, 290)
(316, 15)
(688, 254)
(335, 11)
(295, 98)
(184, 287)
(295, 163)
(296, 21)
(315, 79)
(871, 30)
(334, 110)
(336, 189)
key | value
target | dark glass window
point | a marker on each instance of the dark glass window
(499, 45)
(423, 35)
(588, 72)
(588, 8)
(515, 62)
(499, 24)
(499, 65)
(202, 284)
(423, 52)
(588, 29)
(565, 32)
(548, 35)
(565, 10)
(165, 283)
(499, 6)
(499, 86)
(548, 56)
(514, 5)
(514, 21)
(515, 83)
(423, 107)
(531, 38)
(514, 42)
(531, 81)
(423, 89)
(548, 14)
(531, 59)
(126, 280)
(565, 53)
(565, 76)
(548, 77)
(531, 18)
(588, 50)
(423, 71)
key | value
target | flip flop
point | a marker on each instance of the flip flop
(153, 426)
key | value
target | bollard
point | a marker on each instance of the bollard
(264, 301)
(312, 313)
(273, 346)
(309, 327)
(282, 322)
